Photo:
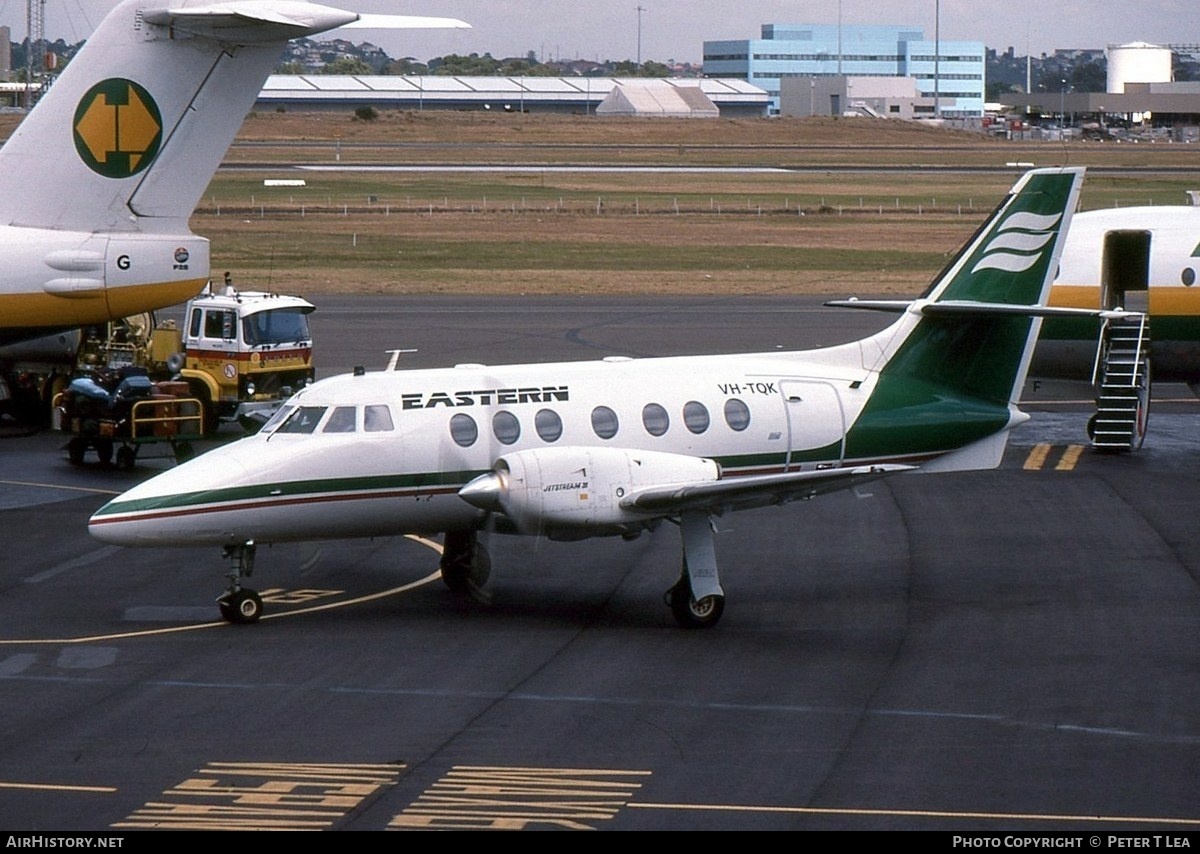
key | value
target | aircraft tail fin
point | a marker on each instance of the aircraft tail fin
(953, 366)
(130, 134)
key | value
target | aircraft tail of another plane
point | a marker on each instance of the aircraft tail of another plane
(952, 368)
(129, 136)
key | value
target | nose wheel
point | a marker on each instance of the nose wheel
(240, 604)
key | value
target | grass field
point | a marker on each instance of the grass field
(536, 230)
(867, 206)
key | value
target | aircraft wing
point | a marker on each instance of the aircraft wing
(743, 493)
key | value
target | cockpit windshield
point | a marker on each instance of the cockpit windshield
(303, 420)
(276, 326)
(373, 418)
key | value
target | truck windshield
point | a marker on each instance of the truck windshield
(276, 326)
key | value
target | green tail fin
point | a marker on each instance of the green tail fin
(955, 372)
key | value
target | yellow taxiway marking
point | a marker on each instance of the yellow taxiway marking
(1036, 460)
(55, 787)
(1037, 457)
(998, 816)
(1069, 458)
(141, 633)
(264, 796)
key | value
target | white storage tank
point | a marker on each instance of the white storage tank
(1137, 62)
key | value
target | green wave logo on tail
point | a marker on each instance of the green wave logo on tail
(1018, 243)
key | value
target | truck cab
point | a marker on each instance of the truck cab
(243, 352)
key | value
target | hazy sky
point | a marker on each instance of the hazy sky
(677, 29)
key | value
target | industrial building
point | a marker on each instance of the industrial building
(947, 77)
(1139, 90)
(580, 95)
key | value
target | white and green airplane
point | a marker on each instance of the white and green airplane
(98, 182)
(617, 446)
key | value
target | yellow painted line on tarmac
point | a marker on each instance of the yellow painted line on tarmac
(1036, 461)
(1112, 819)
(1037, 457)
(1069, 458)
(58, 787)
(170, 630)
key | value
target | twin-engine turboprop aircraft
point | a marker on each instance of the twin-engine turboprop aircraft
(581, 449)
(99, 180)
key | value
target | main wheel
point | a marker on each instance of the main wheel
(242, 606)
(693, 614)
(465, 563)
(125, 457)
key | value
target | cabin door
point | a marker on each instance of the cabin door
(816, 424)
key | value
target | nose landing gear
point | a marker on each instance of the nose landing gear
(240, 604)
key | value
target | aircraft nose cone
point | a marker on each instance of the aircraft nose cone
(483, 492)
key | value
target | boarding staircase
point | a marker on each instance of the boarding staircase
(1122, 380)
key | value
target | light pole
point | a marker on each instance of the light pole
(640, 9)
(1062, 105)
(937, 60)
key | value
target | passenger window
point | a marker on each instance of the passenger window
(463, 430)
(506, 427)
(655, 419)
(548, 425)
(377, 418)
(194, 327)
(340, 421)
(737, 414)
(695, 416)
(604, 422)
(303, 420)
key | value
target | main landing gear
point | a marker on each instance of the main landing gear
(465, 563)
(696, 600)
(240, 604)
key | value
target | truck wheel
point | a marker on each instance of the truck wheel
(209, 420)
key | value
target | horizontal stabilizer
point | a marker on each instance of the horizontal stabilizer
(257, 21)
(252, 21)
(966, 308)
(405, 22)
(742, 493)
(895, 306)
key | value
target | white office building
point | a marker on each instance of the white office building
(948, 75)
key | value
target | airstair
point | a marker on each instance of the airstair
(1122, 380)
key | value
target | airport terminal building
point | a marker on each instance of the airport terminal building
(948, 77)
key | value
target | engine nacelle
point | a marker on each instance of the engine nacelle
(575, 491)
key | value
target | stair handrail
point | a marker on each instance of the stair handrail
(1100, 342)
